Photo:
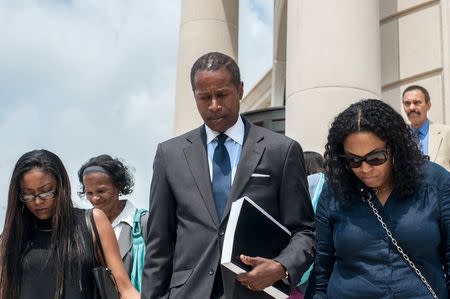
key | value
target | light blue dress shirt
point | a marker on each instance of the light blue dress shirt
(233, 144)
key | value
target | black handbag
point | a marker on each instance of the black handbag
(105, 283)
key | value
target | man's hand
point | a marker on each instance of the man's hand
(264, 273)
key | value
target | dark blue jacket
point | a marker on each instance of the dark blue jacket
(355, 258)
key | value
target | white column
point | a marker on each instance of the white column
(445, 19)
(279, 53)
(333, 59)
(206, 25)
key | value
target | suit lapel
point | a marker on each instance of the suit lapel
(125, 241)
(197, 160)
(434, 141)
(252, 151)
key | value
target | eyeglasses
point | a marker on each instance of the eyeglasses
(42, 196)
(374, 159)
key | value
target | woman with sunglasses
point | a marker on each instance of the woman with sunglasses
(383, 217)
(46, 248)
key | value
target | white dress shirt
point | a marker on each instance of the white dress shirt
(126, 217)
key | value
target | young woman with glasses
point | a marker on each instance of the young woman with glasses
(383, 217)
(46, 249)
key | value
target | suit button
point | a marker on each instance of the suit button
(211, 272)
(221, 233)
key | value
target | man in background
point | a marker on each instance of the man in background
(196, 177)
(433, 139)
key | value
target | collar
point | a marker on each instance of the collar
(236, 132)
(424, 128)
(127, 214)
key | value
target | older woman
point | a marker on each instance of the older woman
(103, 180)
(46, 248)
(383, 218)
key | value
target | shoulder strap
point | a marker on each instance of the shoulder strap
(401, 251)
(90, 221)
(137, 226)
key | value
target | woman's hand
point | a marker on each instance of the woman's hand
(130, 293)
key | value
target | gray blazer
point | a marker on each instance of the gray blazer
(126, 242)
(185, 235)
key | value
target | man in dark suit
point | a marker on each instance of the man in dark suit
(193, 188)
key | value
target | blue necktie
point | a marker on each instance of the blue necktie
(221, 182)
(418, 134)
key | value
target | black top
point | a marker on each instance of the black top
(39, 273)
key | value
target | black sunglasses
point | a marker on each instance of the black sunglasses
(374, 158)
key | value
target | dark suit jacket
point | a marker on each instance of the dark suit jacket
(185, 235)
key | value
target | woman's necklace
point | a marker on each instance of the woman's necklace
(383, 193)
(381, 190)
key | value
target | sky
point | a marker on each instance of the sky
(88, 77)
